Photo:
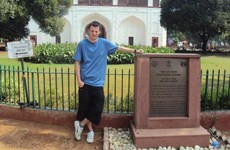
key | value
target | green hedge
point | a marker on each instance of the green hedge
(63, 54)
(54, 53)
(217, 100)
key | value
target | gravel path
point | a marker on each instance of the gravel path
(120, 139)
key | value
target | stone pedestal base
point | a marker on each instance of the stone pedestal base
(176, 137)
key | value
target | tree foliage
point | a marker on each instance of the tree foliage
(7, 9)
(201, 18)
(16, 14)
(13, 19)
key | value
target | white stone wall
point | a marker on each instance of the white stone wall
(41, 37)
(142, 23)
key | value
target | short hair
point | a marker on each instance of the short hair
(95, 24)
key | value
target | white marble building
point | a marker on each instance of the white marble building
(129, 22)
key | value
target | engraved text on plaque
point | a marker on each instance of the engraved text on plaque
(168, 87)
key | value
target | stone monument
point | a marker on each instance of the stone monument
(167, 101)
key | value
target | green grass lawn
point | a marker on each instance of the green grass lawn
(215, 63)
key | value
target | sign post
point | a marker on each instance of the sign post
(21, 49)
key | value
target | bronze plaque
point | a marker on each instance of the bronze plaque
(168, 87)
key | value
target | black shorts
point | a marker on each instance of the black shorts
(91, 102)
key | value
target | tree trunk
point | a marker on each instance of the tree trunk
(204, 46)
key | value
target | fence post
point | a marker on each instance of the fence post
(24, 82)
(206, 90)
(33, 90)
(108, 90)
(0, 83)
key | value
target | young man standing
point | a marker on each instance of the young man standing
(90, 65)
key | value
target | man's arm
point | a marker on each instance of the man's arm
(129, 50)
(78, 75)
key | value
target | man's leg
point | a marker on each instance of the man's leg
(90, 134)
(79, 126)
(89, 125)
(86, 122)
(95, 101)
(82, 111)
(78, 130)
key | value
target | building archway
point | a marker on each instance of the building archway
(65, 36)
(133, 31)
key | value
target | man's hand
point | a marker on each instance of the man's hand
(81, 84)
(139, 51)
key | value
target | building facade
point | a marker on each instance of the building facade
(128, 22)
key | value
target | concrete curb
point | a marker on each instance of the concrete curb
(106, 139)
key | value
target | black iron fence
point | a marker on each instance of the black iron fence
(56, 89)
(215, 94)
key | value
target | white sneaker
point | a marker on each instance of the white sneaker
(78, 130)
(90, 137)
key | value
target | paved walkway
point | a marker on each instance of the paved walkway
(24, 135)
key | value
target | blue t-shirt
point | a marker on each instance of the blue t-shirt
(93, 60)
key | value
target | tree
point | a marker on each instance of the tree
(14, 20)
(201, 18)
(7, 9)
(16, 14)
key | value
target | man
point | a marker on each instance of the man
(90, 65)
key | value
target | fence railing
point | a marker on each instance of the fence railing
(56, 89)
(215, 94)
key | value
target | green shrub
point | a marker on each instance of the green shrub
(128, 58)
(54, 53)
(120, 58)
(119, 105)
(212, 101)
(63, 54)
(9, 91)
(58, 100)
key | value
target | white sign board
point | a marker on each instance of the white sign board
(20, 49)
